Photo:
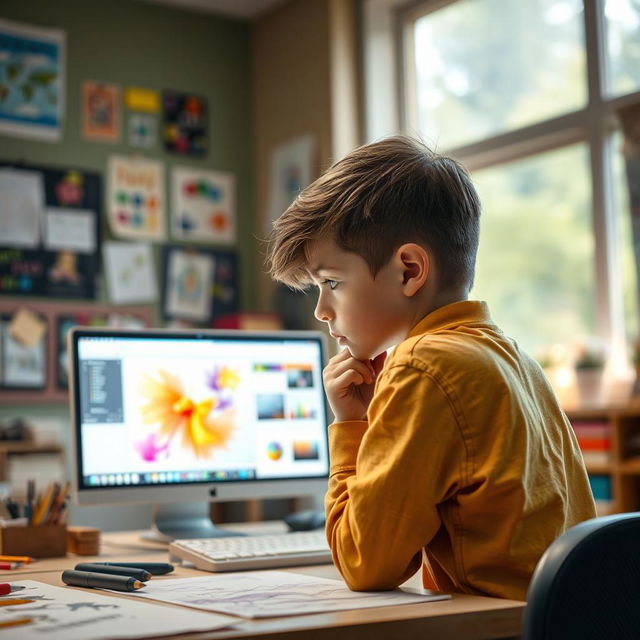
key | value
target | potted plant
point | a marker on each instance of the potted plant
(589, 366)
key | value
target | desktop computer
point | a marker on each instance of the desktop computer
(171, 417)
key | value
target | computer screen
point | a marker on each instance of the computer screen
(162, 416)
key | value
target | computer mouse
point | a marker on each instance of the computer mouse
(305, 520)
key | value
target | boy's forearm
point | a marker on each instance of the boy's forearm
(344, 444)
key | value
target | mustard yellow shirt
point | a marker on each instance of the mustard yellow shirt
(466, 465)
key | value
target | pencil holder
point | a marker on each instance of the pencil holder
(45, 541)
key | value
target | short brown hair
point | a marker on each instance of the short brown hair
(375, 199)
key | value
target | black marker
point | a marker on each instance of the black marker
(117, 569)
(154, 568)
(101, 581)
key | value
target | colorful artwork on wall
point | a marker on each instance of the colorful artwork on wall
(135, 198)
(143, 130)
(32, 80)
(101, 111)
(203, 206)
(184, 123)
(188, 278)
(140, 99)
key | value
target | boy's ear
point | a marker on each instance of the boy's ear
(414, 262)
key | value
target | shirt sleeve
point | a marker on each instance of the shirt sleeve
(388, 478)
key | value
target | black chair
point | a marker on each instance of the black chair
(587, 584)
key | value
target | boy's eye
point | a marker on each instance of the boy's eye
(332, 284)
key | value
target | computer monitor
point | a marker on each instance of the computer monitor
(170, 416)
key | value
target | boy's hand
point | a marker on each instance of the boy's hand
(349, 384)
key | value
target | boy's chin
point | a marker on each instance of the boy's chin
(361, 354)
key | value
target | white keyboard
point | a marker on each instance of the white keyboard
(253, 552)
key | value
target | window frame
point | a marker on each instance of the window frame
(388, 32)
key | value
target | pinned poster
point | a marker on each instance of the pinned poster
(130, 272)
(203, 206)
(135, 198)
(142, 130)
(291, 170)
(145, 100)
(23, 366)
(49, 231)
(101, 111)
(184, 123)
(32, 80)
(188, 279)
(21, 204)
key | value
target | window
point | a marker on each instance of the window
(536, 248)
(525, 95)
(483, 67)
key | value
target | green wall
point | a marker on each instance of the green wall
(132, 43)
(139, 44)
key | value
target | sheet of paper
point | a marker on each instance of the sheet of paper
(65, 613)
(70, 230)
(130, 272)
(26, 327)
(21, 203)
(265, 594)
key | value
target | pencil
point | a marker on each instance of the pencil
(25, 559)
(8, 602)
(14, 622)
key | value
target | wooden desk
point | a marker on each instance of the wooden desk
(461, 618)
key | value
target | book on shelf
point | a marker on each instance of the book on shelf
(596, 458)
(601, 487)
(594, 440)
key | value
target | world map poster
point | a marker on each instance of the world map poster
(32, 80)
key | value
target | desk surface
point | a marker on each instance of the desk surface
(463, 617)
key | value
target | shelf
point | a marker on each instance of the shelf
(623, 422)
(17, 447)
(630, 466)
(599, 469)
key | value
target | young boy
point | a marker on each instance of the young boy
(453, 454)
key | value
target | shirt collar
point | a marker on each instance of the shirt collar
(454, 314)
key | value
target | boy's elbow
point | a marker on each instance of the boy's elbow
(364, 577)
(369, 583)
(371, 573)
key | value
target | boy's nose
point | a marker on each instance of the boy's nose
(321, 312)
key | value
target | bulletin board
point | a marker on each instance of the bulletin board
(39, 374)
(56, 253)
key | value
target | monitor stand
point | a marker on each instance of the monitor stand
(183, 520)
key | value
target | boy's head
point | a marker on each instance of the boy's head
(374, 200)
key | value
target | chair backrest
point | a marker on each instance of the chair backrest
(587, 584)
